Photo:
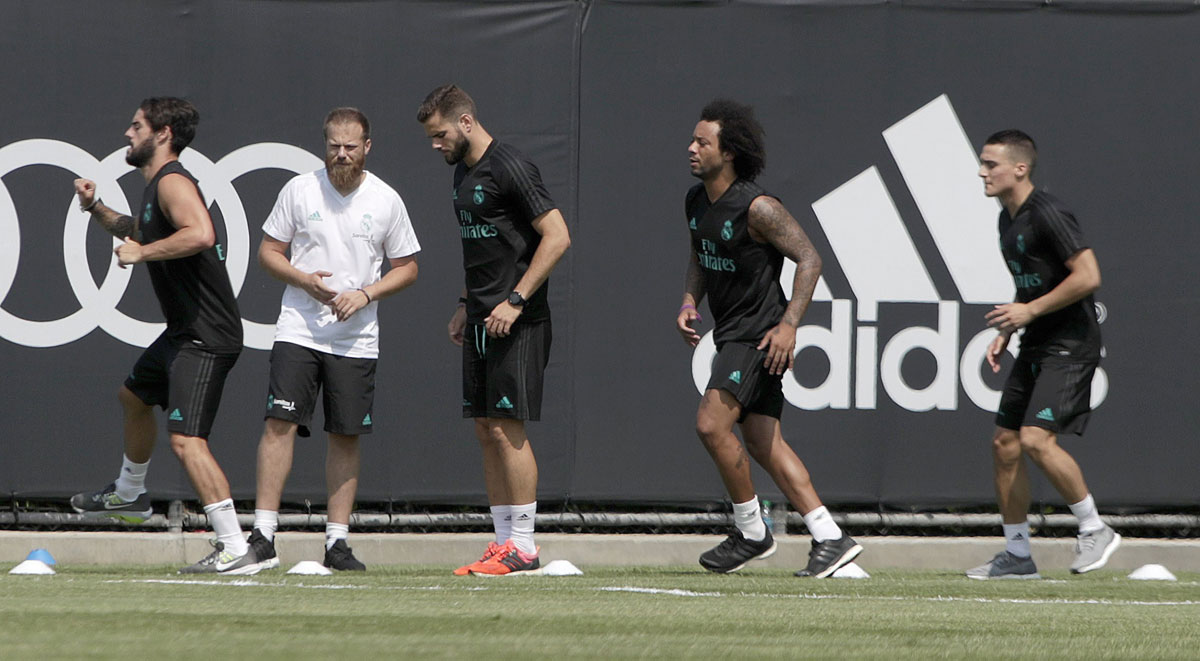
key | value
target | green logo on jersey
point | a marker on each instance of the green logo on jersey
(220, 252)
(1021, 243)
(367, 420)
(727, 230)
(692, 223)
(454, 193)
(478, 196)
(1045, 414)
(736, 377)
(176, 416)
(466, 403)
(366, 224)
(146, 213)
(315, 217)
(504, 403)
(270, 401)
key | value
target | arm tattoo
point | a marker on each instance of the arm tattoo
(114, 223)
(773, 224)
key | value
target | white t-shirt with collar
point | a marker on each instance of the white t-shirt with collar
(348, 236)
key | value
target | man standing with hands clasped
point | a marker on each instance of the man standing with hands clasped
(339, 223)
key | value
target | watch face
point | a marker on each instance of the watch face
(515, 299)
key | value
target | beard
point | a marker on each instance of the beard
(344, 176)
(459, 152)
(139, 155)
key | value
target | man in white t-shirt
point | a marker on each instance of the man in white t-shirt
(339, 224)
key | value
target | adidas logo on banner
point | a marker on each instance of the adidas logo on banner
(881, 264)
(1045, 414)
(504, 403)
(176, 416)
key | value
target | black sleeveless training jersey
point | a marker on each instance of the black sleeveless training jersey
(1036, 245)
(741, 275)
(496, 201)
(194, 291)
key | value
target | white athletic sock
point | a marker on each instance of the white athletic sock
(131, 483)
(1089, 518)
(334, 532)
(502, 522)
(523, 517)
(747, 517)
(1016, 539)
(223, 519)
(821, 525)
(266, 522)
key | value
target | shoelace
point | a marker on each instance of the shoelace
(213, 557)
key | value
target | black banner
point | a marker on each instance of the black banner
(874, 114)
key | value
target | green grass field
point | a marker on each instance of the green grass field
(680, 613)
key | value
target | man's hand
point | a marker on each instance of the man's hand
(86, 190)
(314, 284)
(683, 323)
(780, 344)
(1010, 317)
(347, 303)
(499, 322)
(995, 348)
(458, 323)
(128, 253)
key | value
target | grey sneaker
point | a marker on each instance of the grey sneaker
(106, 503)
(733, 553)
(1005, 565)
(221, 561)
(1092, 549)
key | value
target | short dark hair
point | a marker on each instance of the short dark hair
(347, 115)
(741, 135)
(178, 114)
(1022, 146)
(449, 101)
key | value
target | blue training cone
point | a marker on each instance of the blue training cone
(41, 555)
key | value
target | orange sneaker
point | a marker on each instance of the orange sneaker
(507, 560)
(492, 549)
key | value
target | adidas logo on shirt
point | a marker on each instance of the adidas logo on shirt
(315, 217)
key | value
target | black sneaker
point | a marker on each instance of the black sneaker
(829, 556)
(733, 553)
(341, 557)
(221, 561)
(264, 550)
(106, 503)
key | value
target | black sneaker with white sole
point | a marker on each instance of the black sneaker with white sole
(264, 550)
(106, 503)
(829, 556)
(733, 553)
(341, 557)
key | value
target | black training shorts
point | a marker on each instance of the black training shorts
(502, 377)
(185, 381)
(738, 368)
(347, 385)
(1052, 395)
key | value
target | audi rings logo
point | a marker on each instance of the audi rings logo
(98, 305)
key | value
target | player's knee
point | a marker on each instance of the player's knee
(275, 430)
(708, 428)
(130, 401)
(490, 432)
(1006, 446)
(183, 446)
(1035, 441)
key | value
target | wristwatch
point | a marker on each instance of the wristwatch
(516, 300)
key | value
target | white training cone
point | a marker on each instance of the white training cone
(1152, 573)
(310, 568)
(561, 568)
(850, 570)
(32, 567)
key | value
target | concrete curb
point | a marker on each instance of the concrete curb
(948, 553)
